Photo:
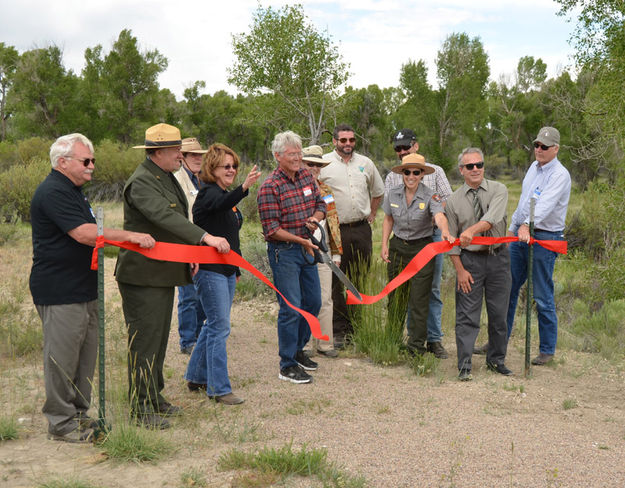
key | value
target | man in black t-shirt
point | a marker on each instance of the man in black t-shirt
(64, 288)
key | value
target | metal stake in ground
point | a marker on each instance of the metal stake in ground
(102, 427)
(528, 305)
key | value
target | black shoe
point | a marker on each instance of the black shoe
(437, 349)
(482, 350)
(186, 350)
(499, 368)
(85, 422)
(295, 374)
(305, 362)
(166, 409)
(195, 386)
(151, 421)
(465, 375)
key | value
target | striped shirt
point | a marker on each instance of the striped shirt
(285, 203)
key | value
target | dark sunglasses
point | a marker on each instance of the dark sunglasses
(542, 146)
(470, 166)
(85, 161)
(415, 172)
(343, 140)
(228, 167)
(314, 165)
(402, 148)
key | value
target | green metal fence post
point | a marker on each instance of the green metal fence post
(528, 305)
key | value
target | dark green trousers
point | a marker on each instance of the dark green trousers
(147, 311)
(416, 291)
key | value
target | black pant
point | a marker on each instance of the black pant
(357, 249)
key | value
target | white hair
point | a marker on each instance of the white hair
(284, 140)
(469, 150)
(64, 146)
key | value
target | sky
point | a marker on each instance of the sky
(374, 36)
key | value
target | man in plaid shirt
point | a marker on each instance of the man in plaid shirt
(288, 201)
(405, 142)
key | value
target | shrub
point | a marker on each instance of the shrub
(33, 148)
(17, 186)
(114, 166)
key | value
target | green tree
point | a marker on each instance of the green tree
(462, 72)
(285, 55)
(8, 65)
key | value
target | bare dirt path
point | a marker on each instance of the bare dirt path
(563, 427)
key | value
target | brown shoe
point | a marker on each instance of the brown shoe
(481, 350)
(437, 349)
(76, 436)
(229, 399)
(330, 353)
(542, 359)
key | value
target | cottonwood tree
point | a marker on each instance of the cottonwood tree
(284, 54)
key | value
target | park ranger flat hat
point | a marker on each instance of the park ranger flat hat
(160, 136)
(413, 161)
(192, 145)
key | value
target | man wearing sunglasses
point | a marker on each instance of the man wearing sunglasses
(64, 288)
(549, 182)
(405, 142)
(358, 191)
(478, 207)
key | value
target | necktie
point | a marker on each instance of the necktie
(477, 208)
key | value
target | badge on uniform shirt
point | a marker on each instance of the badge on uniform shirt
(172, 205)
(328, 198)
(361, 168)
(421, 206)
(307, 191)
(436, 198)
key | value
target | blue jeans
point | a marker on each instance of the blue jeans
(435, 332)
(298, 281)
(209, 362)
(190, 315)
(542, 272)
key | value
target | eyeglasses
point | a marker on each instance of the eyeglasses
(402, 148)
(542, 146)
(415, 172)
(228, 167)
(314, 165)
(294, 155)
(86, 162)
(343, 140)
(470, 166)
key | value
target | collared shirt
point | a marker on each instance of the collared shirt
(354, 183)
(460, 214)
(551, 185)
(412, 221)
(285, 203)
(437, 182)
(190, 184)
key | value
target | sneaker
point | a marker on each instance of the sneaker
(305, 362)
(465, 375)
(542, 359)
(229, 399)
(76, 436)
(295, 374)
(499, 368)
(482, 350)
(437, 349)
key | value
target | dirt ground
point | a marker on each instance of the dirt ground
(564, 426)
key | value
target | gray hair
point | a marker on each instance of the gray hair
(284, 140)
(64, 146)
(469, 150)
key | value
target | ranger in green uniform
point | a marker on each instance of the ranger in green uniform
(154, 200)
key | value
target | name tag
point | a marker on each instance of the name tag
(537, 193)
(328, 198)
(172, 205)
(307, 191)
(394, 205)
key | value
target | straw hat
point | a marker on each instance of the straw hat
(313, 154)
(192, 145)
(160, 136)
(413, 161)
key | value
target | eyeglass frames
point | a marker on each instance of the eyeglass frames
(470, 166)
(408, 172)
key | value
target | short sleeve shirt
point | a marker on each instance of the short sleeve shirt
(412, 221)
(61, 271)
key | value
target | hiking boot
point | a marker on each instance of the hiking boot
(465, 375)
(542, 359)
(166, 409)
(437, 349)
(151, 420)
(482, 350)
(330, 353)
(85, 422)
(295, 374)
(305, 362)
(499, 368)
(229, 399)
(76, 436)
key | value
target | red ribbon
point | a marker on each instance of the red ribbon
(431, 250)
(182, 253)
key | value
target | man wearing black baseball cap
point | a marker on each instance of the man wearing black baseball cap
(405, 142)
